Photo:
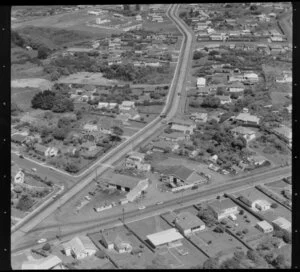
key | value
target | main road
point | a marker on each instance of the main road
(110, 158)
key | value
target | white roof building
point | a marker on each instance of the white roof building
(201, 82)
(41, 264)
(164, 237)
(264, 226)
(80, 247)
(283, 223)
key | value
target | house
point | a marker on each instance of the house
(180, 175)
(247, 119)
(284, 133)
(257, 159)
(173, 136)
(136, 160)
(138, 17)
(201, 82)
(18, 138)
(90, 127)
(244, 132)
(203, 91)
(264, 226)
(164, 237)
(199, 117)
(122, 246)
(106, 105)
(122, 182)
(79, 247)
(213, 158)
(186, 126)
(41, 149)
(223, 208)
(282, 223)
(250, 199)
(19, 177)
(214, 167)
(127, 105)
(41, 264)
(188, 223)
(252, 77)
(164, 146)
(108, 237)
(224, 99)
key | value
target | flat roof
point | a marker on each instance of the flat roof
(264, 224)
(282, 222)
(165, 236)
(123, 180)
(221, 205)
(179, 171)
(187, 220)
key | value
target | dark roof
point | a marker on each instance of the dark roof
(18, 138)
(181, 172)
(123, 180)
(221, 205)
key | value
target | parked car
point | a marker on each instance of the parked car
(33, 169)
(159, 203)
(142, 207)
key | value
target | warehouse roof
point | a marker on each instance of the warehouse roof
(123, 180)
(165, 236)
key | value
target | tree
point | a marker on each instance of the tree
(60, 133)
(287, 237)
(46, 247)
(117, 130)
(43, 52)
(274, 205)
(211, 263)
(62, 104)
(245, 231)
(25, 203)
(198, 55)
(72, 167)
(43, 100)
(279, 262)
(211, 102)
(100, 254)
(230, 264)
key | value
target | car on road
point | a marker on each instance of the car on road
(159, 202)
(142, 207)
(42, 240)
(33, 169)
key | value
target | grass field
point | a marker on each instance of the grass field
(23, 97)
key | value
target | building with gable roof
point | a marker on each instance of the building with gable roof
(188, 223)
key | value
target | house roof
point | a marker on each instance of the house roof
(162, 144)
(79, 244)
(124, 181)
(165, 236)
(282, 222)
(41, 148)
(41, 264)
(285, 131)
(250, 195)
(187, 220)
(221, 205)
(224, 97)
(173, 135)
(185, 122)
(247, 117)
(109, 236)
(264, 224)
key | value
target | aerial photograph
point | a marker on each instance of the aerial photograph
(151, 136)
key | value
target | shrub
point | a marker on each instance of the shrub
(245, 231)
(274, 205)
(241, 212)
(46, 247)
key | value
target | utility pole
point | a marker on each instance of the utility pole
(123, 209)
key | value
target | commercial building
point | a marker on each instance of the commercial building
(79, 247)
(188, 223)
(122, 182)
(137, 190)
(164, 237)
(19, 177)
(41, 264)
(264, 226)
(135, 160)
(186, 126)
(282, 223)
(223, 208)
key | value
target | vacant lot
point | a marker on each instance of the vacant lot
(87, 78)
(23, 97)
(31, 83)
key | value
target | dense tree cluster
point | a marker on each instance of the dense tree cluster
(48, 100)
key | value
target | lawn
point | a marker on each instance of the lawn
(155, 109)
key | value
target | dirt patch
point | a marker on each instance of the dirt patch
(87, 78)
(31, 83)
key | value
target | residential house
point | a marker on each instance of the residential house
(108, 237)
(164, 146)
(188, 223)
(252, 77)
(282, 223)
(224, 99)
(284, 133)
(79, 247)
(244, 132)
(174, 136)
(199, 117)
(213, 158)
(121, 245)
(136, 160)
(247, 119)
(127, 105)
(18, 138)
(264, 226)
(201, 82)
(251, 199)
(41, 149)
(257, 159)
(185, 126)
(214, 167)
(19, 177)
(90, 127)
(106, 105)
(223, 208)
(203, 91)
